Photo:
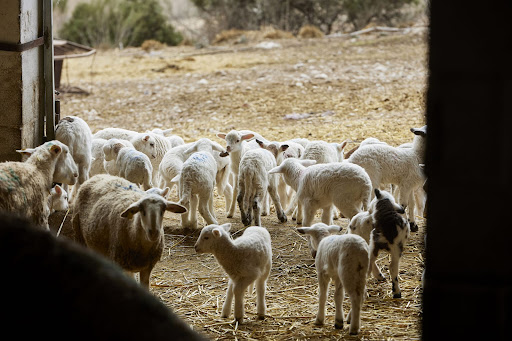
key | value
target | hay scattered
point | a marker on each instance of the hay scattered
(310, 31)
(270, 32)
(228, 36)
(235, 36)
(374, 86)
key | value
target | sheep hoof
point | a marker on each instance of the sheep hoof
(230, 216)
(319, 322)
(413, 226)
(354, 332)
(397, 295)
(283, 218)
(338, 324)
(261, 317)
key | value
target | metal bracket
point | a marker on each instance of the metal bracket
(21, 47)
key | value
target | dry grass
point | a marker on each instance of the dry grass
(151, 45)
(352, 89)
(310, 31)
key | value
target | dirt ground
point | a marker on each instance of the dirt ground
(332, 89)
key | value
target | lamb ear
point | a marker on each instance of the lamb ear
(165, 191)
(175, 179)
(284, 147)
(247, 136)
(419, 131)
(216, 232)
(226, 226)
(307, 162)
(117, 147)
(55, 149)
(58, 189)
(334, 228)
(131, 210)
(175, 208)
(303, 230)
(377, 193)
(146, 138)
(275, 170)
(191, 149)
(27, 151)
(221, 135)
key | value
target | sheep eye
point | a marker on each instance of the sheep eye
(152, 144)
(237, 141)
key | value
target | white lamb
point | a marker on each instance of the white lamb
(130, 164)
(154, 145)
(344, 185)
(175, 140)
(172, 163)
(25, 186)
(246, 260)
(390, 233)
(236, 145)
(75, 133)
(143, 142)
(116, 219)
(97, 157)
(398, 166)
(58, 199)
(302, 141)
(99, 165)
(282, 151)
(323, 152)
(223, 177)
(254, 181)
(362, 225)
(197, 181)
(345, 259)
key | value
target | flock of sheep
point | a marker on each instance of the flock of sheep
(121, 180)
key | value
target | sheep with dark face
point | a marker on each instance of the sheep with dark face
(390, 233)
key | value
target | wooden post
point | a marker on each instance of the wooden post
(49, 80)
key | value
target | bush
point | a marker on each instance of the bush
(291, 15)
(119, 23)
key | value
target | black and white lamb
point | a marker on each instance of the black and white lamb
(390, 233)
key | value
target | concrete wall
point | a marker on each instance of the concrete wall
(20, 78)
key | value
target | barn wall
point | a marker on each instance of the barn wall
(20, 78)
(468, 281)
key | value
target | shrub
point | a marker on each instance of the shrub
(291, 15)
(119, 23)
